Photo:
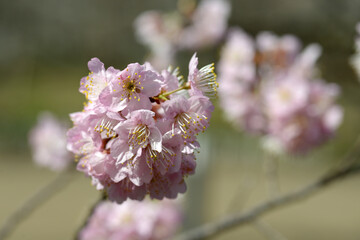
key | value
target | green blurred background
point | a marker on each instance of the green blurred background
(44, 49)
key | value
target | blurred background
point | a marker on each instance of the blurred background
(44, 50)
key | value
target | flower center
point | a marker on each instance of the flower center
(131, 88)
(285, 95)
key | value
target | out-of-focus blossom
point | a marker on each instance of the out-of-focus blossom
(137, 134)
(304, 118)
(269, 87)
(158, 32)
(355, 59)
(48, 143)
(166, 33)
(147, 220)
(209, 24)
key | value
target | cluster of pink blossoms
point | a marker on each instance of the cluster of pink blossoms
(48, 143)
(137, 133)
(269, 87)
(355, 60)
(147, 220)
(189, 28)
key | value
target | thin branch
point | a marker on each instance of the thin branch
(268, 231)
(349, 158)
(270, 167)
(242, 194)
(35, 201)
(264, 228)
(231, 221)
(90, 213)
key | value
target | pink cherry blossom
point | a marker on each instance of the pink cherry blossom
(48, 143)
(269, 87)
(203, 81)
(158, 32)
(209, 24)
(147, 220)
(97, 80)
(138, 136)
(132, 89)
(189, 28)
(190, 116)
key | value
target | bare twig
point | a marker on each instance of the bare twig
(268, 231)
(264, 228)
(35, 201)
(242, 194)
(271, 175)
(228, 222)
(90, 213)
(349, 158)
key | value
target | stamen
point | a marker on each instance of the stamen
(138, 136)
(190, 124)
(206, 80)
(160, 159)
(106, 124)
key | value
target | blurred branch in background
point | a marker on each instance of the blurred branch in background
(36, 200)
(228, 222)
(91, 211)
(270, 167)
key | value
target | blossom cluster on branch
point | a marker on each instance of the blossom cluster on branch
(137, 133)
(190, 27)
(270, 87)
(147, 220)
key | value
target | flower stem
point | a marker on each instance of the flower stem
(164, 95)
